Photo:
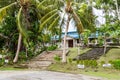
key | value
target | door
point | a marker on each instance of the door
(70, 43)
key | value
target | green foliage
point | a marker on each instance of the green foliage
(88, 63)
(70, 60)
(51, 48)
(22, 56)
(3, 11)
(77, 61)
(87, 17)
(116, 64)
(2, 61)
(100, 41)
(102, 62)
(57, 58)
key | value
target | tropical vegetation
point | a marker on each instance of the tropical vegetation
(27, 27)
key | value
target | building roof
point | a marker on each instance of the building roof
(72, 34)
(75, 35)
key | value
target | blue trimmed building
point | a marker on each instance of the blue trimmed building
(72, 39)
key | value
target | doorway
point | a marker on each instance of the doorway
(70, 43)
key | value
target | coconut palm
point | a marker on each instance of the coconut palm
(23, 18)
(67, 7)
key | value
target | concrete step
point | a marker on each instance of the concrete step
(39, 64)
(42, 60)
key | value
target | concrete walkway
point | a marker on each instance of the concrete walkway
(43, 60)
(43, 75)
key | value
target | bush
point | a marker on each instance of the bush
(57, 58)
(88, 63)
(81, 61)
(94, 63)
(116, 64)
(2, 61)
(51, 48)
(77, 61)
(22, 57)
(70, 60)
(102, 62)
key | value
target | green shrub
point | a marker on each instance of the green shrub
(94, 63)
(2, 61)
(22, 57)
(110, 61)
(51, 48)
(57, 58)
(102, 62)
(81, 61)
(77, 61)
(70, 60)
(87, 63)
(116, 64)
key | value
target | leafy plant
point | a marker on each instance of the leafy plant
(102, 62)
(51, 48)
(70, 60)
(116, 64)
(57, 58)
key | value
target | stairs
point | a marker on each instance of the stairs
(43, 60)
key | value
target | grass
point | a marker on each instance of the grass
(3, 68)
(111, 55)
(74, 52)
(109, 73)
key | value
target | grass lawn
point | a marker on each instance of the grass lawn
(109, 73)
(74, 52)
(11, 67)
(111, 55)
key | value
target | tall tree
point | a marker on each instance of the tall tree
(24, 19)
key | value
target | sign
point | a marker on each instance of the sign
(81, 66)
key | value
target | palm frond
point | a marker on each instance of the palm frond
(22, 31)
(1, 35)
(54, 22)
(78, 22)
(47, 15)
(3, 11)
(47, 20)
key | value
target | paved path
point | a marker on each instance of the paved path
(43, 75)
(43, 60)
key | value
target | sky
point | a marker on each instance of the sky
(100, 20)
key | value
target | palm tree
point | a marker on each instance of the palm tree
(23, 18)
(70, 11)
(117, 8)
(68, 7)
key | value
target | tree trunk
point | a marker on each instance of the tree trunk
(105, 46)
(18, 48)
(78, 49)
(117, 9)
(64, 59)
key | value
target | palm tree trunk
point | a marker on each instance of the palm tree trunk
(105, 46)
(64, 59)
(18, 48)
(117, 9)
